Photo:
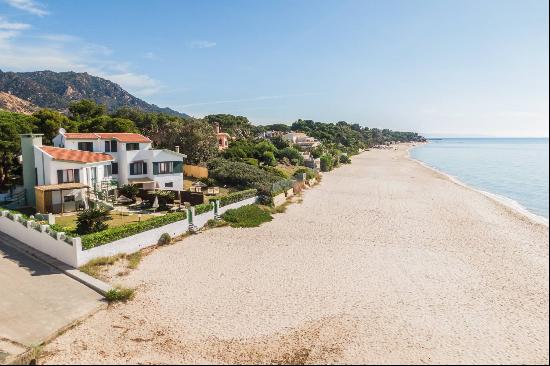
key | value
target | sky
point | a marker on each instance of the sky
(440, 67)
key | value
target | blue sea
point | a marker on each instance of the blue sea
(516, 168)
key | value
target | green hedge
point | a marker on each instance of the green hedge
(109, 235)
(205, 207)
(235, 197)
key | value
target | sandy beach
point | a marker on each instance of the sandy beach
(386, 261)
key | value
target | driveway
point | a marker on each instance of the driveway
(36, 300)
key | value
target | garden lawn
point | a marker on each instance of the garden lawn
(116, 220)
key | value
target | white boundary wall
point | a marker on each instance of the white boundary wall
(40, 240)
(74, 256)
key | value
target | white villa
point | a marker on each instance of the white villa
(304, 141)
(96, 162)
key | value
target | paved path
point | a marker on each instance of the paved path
(36, 300)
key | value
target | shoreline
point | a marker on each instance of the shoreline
(509, 203)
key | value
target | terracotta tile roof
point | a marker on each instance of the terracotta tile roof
(119, 136)
(75, 155)
(75, 135)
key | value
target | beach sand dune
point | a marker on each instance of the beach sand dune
(386, 262)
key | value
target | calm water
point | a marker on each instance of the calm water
(511, 167)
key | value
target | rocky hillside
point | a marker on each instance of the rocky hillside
(56, 90)
(12, 103)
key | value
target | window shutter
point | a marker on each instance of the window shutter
(113, 146)
(155, 168)
(107, 146)
(178, 166)
(132, 169)
(59, 176)
(144, 168)
(77, 175)
(114, 167)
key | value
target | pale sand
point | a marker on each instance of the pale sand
(385, 262)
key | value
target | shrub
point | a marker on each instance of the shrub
(268, 158)
(205, 207)
(164, 239)
(241, 174)
(119, 232)
(310, 174)
(344, 159)
(292, 154)
(92, 220)
(208, 181)
(164, 197)
(326, 163)
(129, 190)
(120, 294)
(247, 216)
(236, 197)
(251, 161)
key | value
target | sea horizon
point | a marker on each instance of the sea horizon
(509, 168)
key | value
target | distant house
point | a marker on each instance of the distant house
(222, 137)
(302, 140)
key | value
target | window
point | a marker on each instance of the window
(169, 184)
(68, 176)
(108, 170)
(132, 146)
(137, 168)
(86, 146)
(167, 167)
(110, 146)
(68, 198)
(114, 168)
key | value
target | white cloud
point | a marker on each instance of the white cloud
(29, 6)
(6, 25)
(58, 37)
(141, 84)
(202, 44)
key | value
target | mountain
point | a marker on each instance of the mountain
(12, 103)
(56, 90)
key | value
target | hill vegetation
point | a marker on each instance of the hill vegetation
(57, 90)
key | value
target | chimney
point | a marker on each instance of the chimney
(28, 142)
(177, 149)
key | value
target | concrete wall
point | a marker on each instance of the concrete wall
(134, 243)
(73, 255)
(40, 240)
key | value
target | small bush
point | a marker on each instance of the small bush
(134, 259)
(344, 159)
(251, 161)
(310, 173)
(202, 208)
(164, 239)
(235, 197)
(92, 220)
(93, 267)
(129, 191)
(247, 216)
(326, 163)
(120, 294)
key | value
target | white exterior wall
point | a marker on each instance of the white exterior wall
(124, 158)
